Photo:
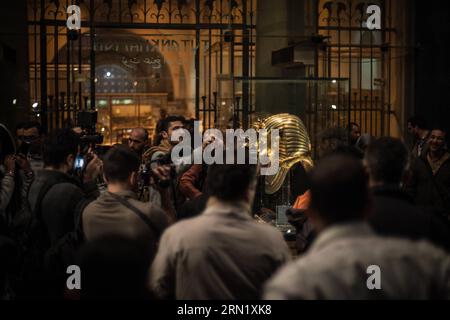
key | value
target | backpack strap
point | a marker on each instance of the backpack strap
(138, 212)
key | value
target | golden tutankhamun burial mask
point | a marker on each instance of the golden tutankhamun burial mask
(294, 147)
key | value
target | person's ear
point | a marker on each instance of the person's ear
(132, 179)
(164, 135)
(366, 168)
(70, 160)
(315, 218)
(250, 193)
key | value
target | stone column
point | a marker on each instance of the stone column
(279, 24)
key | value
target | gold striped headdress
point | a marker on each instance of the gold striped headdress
(294, 146)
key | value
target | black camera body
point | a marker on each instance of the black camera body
(24, 148)
(89, 142)
(91, 139)
(87, 120)
(146, 172)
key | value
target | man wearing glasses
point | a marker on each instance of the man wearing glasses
(31, 144)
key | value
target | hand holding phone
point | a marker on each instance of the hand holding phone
(93, 169)
(79, 162)
(23, 162)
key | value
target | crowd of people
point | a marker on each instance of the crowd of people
(172, 231)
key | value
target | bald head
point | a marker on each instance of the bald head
(138, 140)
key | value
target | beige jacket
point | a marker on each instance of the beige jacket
(222, 254)
(106, 216)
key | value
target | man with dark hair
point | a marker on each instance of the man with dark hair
(162, 153)
(18, 180)
(118, 211)
(168, 126)
(387, 160)
(341, 197)
(429, 184)
(394, 212)
(33, 136)
(348, 260)
(335, 140)
(55, 196)
(331, 141)
(417, 127)
(415, 123)
(354, 133)
(56, 199)
(19, 132)
(223, 253)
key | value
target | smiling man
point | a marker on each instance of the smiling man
(430, 181)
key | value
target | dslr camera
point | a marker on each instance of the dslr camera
(146, 172)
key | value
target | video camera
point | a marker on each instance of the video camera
(87, 121)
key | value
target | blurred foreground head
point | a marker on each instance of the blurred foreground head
(331, 141)
(387, 160)
(120, 166)
(232, 182)
(114, 268)
(339, 191)
(60, 149)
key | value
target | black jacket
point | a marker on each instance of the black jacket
(428, 190)
(395, 215)
(62, 202)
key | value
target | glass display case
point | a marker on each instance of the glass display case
(119, 113)
(319, 102)
(301, 108)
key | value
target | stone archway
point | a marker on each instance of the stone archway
(139, 66)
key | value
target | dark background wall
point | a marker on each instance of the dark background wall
(432, 61)
(13, 63)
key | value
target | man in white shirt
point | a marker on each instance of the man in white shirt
(223, 253)
(348, 260)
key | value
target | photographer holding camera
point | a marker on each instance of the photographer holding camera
(160, 156)
(55, 196)
(31, 144)
(118, 212)
(15, 176)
